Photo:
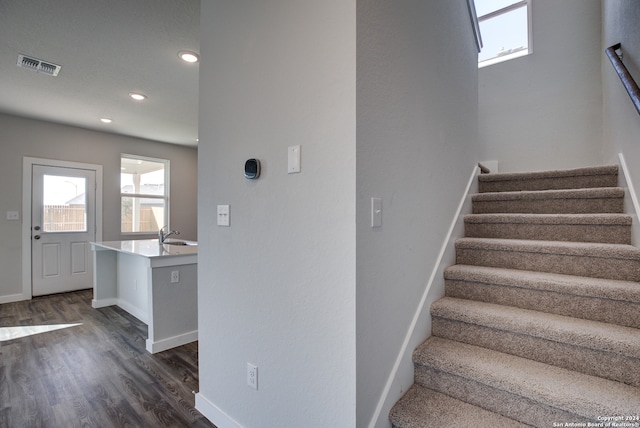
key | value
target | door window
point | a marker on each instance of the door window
(64, 207)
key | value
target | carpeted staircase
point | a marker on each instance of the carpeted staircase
(541, 317)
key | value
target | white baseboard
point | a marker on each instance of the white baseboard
(402, 373)
(103, 303)
(631, 205)
(133, 310)
(214, 413)
(13, 298)
(114, 301)
(171, 342)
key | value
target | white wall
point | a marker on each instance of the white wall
(417, 145)
(543, 111)
(621, 121)
(20, 137)
(277, 287)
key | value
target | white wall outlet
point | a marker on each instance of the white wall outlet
(175, 276)
(252, 376)
(13, 215)
(223, 215)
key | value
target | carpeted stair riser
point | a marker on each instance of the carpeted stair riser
(584, 307)
(597, 349)
(612, 229)
(606, 176)
(488, 397)
(540, 323)
(518, 388)
(420, 404)
(583, 259)
(583, 201)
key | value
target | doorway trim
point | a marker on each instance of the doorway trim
(27, 168)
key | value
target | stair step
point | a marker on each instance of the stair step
(573, 201)
(602, 176)
(422, 407)
(605, 300)
(595, 348)
(606, 228)
(612, 261)
(527, 391)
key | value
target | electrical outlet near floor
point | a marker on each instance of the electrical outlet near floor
(175, 276)
(252, 376)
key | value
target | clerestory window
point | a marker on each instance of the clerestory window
(505, 26)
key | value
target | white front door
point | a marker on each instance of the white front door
(63, 223)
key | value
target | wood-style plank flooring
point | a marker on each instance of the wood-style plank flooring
(96, 374)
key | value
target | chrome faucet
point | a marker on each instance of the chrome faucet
(162, 236)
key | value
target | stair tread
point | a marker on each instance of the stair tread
(581, 394)
(613, 289)
(594, 335)
(560, 219)
(530, 284)
(588, 193)
(561, 173)
(589, 249)
(423, 407)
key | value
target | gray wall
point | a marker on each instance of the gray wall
(20, 137)
(417, 146)
(543, 111)
(277, 287)
(620, 119)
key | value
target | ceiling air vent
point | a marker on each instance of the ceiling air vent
(38, 65)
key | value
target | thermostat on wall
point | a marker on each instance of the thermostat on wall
(252, 169)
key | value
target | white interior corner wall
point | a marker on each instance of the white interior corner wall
(277, 287)
(621, 121)
(20, 137)
(543, 111)
(417, 142)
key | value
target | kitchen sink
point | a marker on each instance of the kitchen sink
(174, 242)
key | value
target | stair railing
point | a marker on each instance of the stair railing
(627, 80)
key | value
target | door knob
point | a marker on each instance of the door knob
(36, 228)
(36, 237)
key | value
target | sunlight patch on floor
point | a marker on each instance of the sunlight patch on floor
(10, 333)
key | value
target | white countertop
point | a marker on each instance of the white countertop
(150, 248)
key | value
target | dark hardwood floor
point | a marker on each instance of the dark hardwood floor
(96, 374)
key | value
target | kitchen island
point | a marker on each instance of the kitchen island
(156, 283)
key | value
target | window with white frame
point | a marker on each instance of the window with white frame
(144, 194)
(505, 26)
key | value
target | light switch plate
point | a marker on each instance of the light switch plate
(293, 164)
(376, 212)
(223, 215)
(13, 215)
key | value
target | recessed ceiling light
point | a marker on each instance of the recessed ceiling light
(188, 56)
(137, 96)
(105, 120)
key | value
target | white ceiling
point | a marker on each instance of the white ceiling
(107, 49)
